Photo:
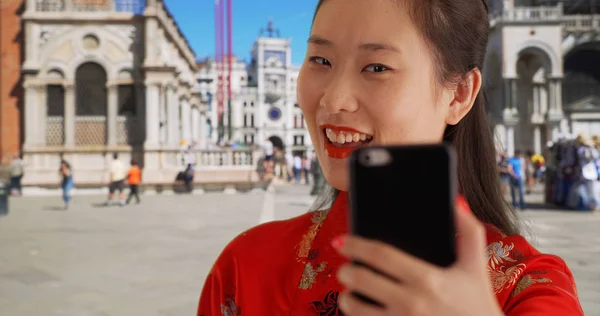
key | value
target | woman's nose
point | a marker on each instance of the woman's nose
(339, 96)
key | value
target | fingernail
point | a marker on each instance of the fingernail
(338, 242)
(463, 205)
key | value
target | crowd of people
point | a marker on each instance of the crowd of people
(573, 173)
(286, 165)
(570, 172)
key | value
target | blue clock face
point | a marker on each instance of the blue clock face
(271, 53)
(274, 113)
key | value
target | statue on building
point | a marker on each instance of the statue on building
(270, 30)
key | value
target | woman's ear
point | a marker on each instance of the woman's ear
(464, 97)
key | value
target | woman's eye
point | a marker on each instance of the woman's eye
(376, 68)
(321, 61)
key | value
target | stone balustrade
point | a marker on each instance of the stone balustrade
(130, 6)
(527, 14)
(581, 23)
(571, 23)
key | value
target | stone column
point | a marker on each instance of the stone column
(162, 110)
(558, 93)
(152, 115)
(537, 109)
(70, 114)
(32, 39)
(32, 123)
(510, 97)
(195, 124)
(151, 29)
(510, 140)
(203, 131)
(43, 114)
(112, 114)
(140, 113)
(554, 100)
(186, 123)
(551, 95)
(237, 113)
(172, 117)
(513, 95)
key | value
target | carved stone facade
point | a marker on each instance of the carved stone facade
(102, 77)
(264, 102)
(538, 85)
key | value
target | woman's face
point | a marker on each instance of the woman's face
(368, 79)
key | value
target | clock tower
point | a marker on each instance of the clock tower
(275, 80)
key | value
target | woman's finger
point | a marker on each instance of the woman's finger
(371, 284)
(352, 306)
(386, 259)
(471, 240)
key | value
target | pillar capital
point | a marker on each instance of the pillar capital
(69, 85)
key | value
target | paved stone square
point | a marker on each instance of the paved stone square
(151, 259)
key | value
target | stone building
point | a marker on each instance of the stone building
(264, 97)
(543, 71)
(102, 77)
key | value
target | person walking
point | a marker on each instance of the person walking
(505, 174)
(297, 168)
(134, 178)
(269, 155)
(516, 167)
(66, 185)
(117, 180)
(17, 170)
(188, 178)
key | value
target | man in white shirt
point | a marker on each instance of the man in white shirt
(118, 173)
(17, 170)
(297, 168)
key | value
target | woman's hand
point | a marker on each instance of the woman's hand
(422, 289)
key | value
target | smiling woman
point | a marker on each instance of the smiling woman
(384, 72)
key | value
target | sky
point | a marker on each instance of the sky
(196, 20)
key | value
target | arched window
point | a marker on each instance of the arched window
(90, 104)
(55, 108)
(55, 115)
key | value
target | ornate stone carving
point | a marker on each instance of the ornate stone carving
(49, 31)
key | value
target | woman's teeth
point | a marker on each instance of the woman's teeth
(346, 137)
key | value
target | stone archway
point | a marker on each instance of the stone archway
(582, 74)
(581, 89)
(277, 142)
(90, 105)
(534, 66)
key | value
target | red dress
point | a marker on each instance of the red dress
(289, 268)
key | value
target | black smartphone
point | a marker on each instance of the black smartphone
(404, 196)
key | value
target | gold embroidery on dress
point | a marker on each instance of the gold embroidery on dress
(309, 275)
(527, 281)
(306, 243)
(504, 279)
(498, 253)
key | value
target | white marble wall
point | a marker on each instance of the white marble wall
(149, 53)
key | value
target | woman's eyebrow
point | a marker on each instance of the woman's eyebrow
(321, 41)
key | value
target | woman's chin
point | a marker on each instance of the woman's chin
(338, 178)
